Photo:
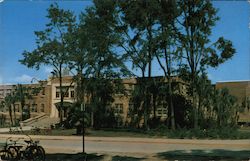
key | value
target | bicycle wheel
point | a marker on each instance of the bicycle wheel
(34, 153)
(6, 155)
(14, 152)
(43, 156)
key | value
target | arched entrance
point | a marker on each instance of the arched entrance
(65, 108)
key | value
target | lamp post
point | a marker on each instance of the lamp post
(83, 129)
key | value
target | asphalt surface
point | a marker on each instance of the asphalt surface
(73, 144)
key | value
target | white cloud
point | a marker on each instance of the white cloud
(23, 79)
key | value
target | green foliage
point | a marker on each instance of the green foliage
(212, 133)
(53, 47)
(21, 94)
(176, 33)
(195, 25)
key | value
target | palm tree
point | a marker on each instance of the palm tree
(22, 93)
(8, 103)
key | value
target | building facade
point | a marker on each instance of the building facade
(241, 90)
(48, 99)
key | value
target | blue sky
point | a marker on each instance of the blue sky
(20, 18)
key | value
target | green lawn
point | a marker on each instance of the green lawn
(243, 133)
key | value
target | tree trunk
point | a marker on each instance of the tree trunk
(195, 110)
(14, 114)
(10, 113)
(22, 107)
(61, 96)
(172, 115)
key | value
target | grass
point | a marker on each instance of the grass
(118, 133)
(242, 133)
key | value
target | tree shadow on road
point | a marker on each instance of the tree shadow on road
(88, 157)
(217, 154)
(73, 157)
(125, 158)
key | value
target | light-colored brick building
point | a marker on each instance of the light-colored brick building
(241, 90)
(47, 100)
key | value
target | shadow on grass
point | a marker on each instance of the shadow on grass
(73, 157)
(216, 154)
(87, 157)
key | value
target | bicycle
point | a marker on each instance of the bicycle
(9, 152)
(31, 150)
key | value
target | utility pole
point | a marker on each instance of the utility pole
(83, 129)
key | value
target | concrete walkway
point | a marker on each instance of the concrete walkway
(7, 129)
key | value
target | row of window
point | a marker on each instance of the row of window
(8, 91)
(160, 111)
(66, 94)
(33, 108)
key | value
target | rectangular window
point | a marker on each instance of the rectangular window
(66, 94)
(119, 108)
(34, 108)
(43, 91)
(57, 94)
(72, 94)
(159, 111)
(42, 108)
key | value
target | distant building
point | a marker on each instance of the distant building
(241, 90)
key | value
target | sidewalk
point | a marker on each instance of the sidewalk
(7, 129)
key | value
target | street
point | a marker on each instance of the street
(73, 144)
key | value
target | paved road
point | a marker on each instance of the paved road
(73, 144)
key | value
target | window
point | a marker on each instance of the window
(162, 111)
(34, 108)
(42, 108)
(57, 94)
(119, 108)
(43, 91)
(1, 92)
(65, 93)
(72, 94)
(159, 111)
(8, 91)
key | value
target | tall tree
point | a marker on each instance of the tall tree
(22, 94)
(52, 45)
(104, 65)
(194, 26)
(138, 25)
(226, 108)
(167, 49)
(8, 101)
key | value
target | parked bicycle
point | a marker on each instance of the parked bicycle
(9, 151)
(29, 150)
